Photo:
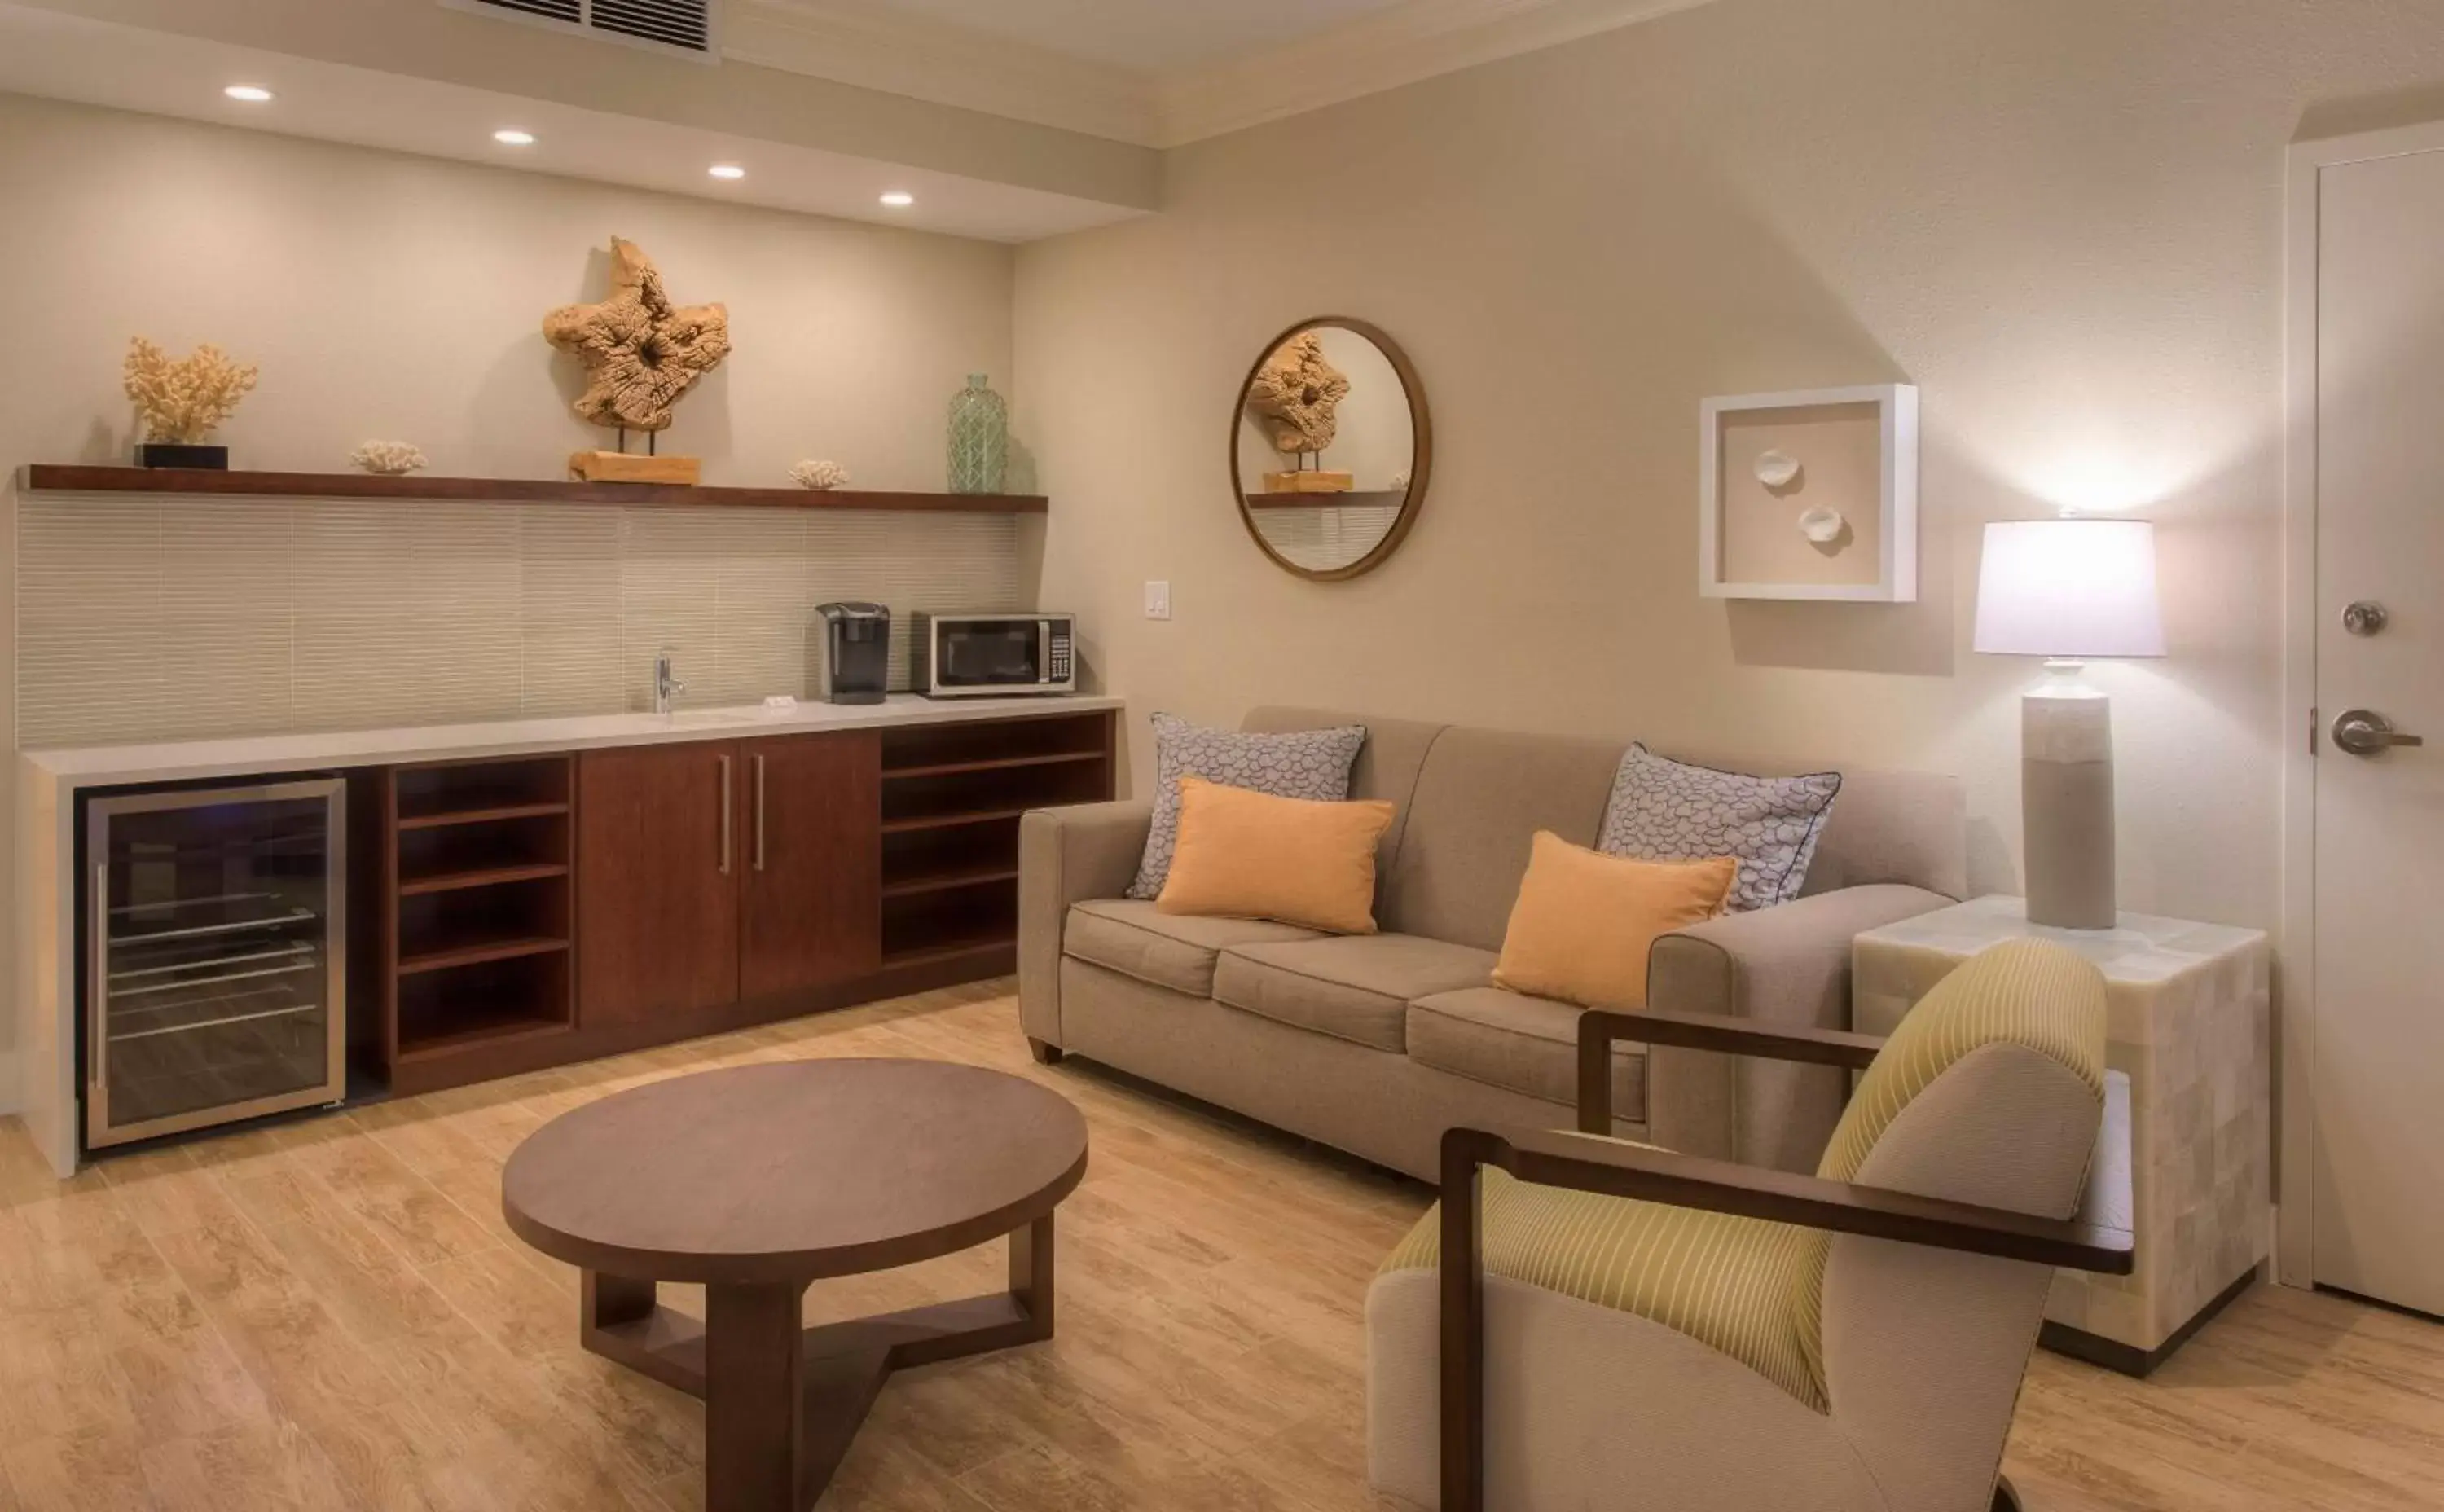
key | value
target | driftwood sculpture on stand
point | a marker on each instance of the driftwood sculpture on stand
(1297, 394)
(641, 354)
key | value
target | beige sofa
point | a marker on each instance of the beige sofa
(1375, 1044)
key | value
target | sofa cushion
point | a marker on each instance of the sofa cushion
(1252, 856)
(1174, 951)
(1357, 987)
(1311, 764)
(1664, 810)
(1481, 795)
(1519, 1043)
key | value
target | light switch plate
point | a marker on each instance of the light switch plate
(1158, 600)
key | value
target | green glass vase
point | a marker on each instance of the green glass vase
(979, 438)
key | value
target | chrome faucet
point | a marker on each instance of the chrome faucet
(666, 687)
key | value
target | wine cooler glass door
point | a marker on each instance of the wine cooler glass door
(215, 957)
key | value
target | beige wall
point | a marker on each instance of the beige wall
(398, 297)
(2062, 220)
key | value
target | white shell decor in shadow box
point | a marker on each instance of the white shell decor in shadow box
(819, 476)
(1810, 495)
(389, 459)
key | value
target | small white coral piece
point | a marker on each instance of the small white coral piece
(1775, 469)
(1822, 526)
(391, 459)
(819, 476)
(183, 401)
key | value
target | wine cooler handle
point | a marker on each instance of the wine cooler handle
(725, 816)
(97, 990)
(759, 810)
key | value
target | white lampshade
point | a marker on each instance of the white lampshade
(2069, 588)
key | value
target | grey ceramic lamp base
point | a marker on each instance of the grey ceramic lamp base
(2066, 807)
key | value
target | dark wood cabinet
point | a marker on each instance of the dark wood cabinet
(526, 912)
(658, 863)
(811, 905)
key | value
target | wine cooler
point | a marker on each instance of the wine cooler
(215, 951)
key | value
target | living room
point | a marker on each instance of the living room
(651, 709)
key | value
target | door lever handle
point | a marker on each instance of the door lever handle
(2365, 732)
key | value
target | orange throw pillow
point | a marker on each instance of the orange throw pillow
(1585, 921)
(1252, 856)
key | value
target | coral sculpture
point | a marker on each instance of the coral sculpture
(183, 401)
(391, 459)
(819, 476)
(640, 351)
(1297, 392)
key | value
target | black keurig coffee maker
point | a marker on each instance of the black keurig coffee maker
(855, 661)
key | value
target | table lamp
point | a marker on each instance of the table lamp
(2065, 590)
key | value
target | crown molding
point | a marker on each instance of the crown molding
(856, 44)
(1400, 46)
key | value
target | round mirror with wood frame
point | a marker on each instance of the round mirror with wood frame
(1331, 449)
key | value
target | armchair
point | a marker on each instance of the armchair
(1587, 1323)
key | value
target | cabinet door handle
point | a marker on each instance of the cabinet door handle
(759, 810)
(725, 815)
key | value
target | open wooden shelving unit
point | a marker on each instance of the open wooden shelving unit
(952, 798)
(475, 910)
(55, 478)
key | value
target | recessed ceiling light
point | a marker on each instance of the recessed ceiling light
(899, 199)
(727, 170)
(511, 137)
(251, 94)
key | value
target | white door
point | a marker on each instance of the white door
(2379, 1048)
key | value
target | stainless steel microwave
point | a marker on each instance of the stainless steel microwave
(992, 656)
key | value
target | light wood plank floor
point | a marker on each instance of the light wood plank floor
(329, 1315)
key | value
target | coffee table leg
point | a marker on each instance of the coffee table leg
(1031, 1274)
(753, 1421)
(611, 1300)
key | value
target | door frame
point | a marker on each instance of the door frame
(2296, 961)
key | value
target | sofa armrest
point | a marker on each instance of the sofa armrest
(1788, 967)
(1066, 856)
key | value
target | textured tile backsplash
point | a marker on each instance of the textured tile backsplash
(151, 618)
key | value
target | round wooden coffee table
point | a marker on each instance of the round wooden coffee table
(760, 1180)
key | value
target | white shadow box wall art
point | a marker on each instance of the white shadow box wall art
(1810, 495)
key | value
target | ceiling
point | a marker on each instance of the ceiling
(58, 56)
(1006, 119)
(1152, 36)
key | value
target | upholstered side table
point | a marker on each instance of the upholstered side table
(2189, 1013)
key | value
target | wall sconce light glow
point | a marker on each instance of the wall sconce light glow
(251, 94)
(899, 199)
(727, 170)
(511, 137)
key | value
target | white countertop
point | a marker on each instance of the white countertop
(110, 765)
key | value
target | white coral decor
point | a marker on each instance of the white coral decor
(392, 459)
(819, 476)
(183, 401)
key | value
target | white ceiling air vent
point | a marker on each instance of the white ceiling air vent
(686, 27)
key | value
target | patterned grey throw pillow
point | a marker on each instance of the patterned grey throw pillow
(1301, 764)
(1664, 810)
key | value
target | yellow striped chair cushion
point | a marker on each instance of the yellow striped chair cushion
(2031, 993)
(1731, 1284)
(1755, 1290)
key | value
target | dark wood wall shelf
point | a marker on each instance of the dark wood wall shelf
(1350, 499)
(56, 478)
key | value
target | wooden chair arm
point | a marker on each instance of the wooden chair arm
(2098, 1238)
(1598, 1028)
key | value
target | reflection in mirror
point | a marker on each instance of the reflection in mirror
(1329, 447)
